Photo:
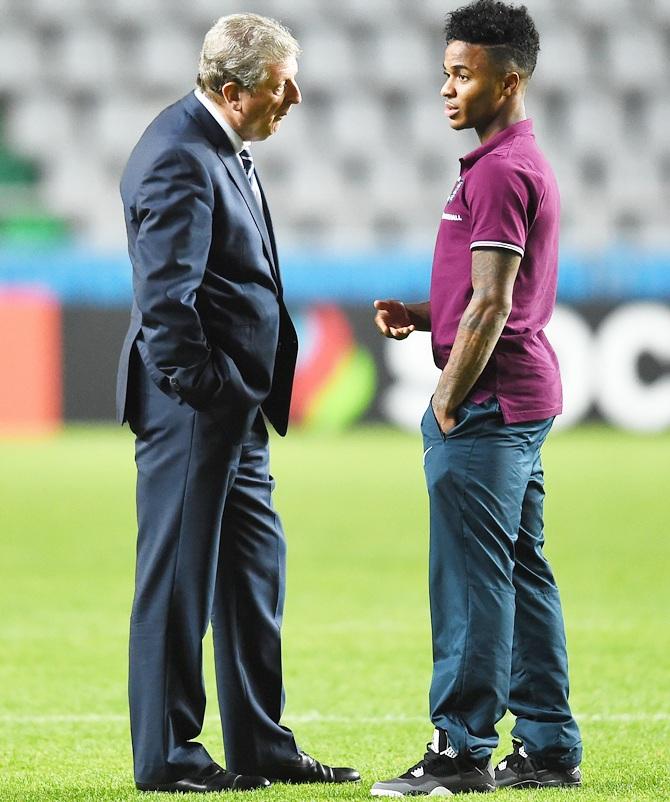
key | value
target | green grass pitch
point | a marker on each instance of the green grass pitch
(356, 634)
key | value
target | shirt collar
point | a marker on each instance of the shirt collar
(235, 139)
(522, 128)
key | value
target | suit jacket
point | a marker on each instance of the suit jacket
(208, 316)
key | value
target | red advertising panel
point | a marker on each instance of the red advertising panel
(30, 362)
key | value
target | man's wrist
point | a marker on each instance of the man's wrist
(444, 402)
(418, 320)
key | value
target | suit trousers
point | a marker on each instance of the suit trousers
(210, 548)
(497, 624)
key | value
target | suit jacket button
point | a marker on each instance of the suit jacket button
(174, 383)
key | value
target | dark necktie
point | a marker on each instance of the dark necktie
(248, 164)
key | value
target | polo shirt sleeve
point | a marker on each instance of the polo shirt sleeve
(498, 195)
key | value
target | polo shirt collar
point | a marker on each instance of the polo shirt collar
(522, 128)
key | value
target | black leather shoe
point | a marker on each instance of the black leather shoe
(305, 769)
(212, 780)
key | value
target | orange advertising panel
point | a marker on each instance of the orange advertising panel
(30, 362)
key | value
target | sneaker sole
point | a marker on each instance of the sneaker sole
(439, 791)
(538, 784)
(390, 792)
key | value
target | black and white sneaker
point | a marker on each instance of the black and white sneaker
(441, 773)
(518, 770)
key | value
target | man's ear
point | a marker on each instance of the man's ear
(231, 92)
(511, 83)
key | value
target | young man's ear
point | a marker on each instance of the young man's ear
(511, 83)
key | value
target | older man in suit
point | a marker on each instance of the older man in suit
(210, 345)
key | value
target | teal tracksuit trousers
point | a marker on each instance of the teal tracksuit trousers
(497, 624)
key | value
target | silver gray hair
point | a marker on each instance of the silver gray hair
(242, 48)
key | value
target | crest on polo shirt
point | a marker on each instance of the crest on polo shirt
(457, 186)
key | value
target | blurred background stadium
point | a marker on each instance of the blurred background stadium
(356, 178)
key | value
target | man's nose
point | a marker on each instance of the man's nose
(448, 88)
(295, 96)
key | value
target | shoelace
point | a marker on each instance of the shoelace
(518, 759)
(429, 760)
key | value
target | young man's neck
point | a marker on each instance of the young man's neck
(507, 116)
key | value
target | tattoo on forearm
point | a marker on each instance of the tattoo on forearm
(493, 274)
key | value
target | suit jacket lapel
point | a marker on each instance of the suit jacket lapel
(236, 172)
(268, 220)
(225, 152)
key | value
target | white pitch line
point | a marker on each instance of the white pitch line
(312, 717)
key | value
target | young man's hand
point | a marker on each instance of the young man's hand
(392, 319)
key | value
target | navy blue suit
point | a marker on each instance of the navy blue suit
(210, 344)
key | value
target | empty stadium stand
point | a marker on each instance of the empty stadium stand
(368, 158)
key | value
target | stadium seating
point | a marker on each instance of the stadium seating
(369, 158)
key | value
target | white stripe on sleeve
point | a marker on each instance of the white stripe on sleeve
(488, 244)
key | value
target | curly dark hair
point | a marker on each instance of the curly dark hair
(507, 30)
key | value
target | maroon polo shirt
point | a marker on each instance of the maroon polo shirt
(506, 197)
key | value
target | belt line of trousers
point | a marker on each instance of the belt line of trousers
(210, 549)
(497, 624)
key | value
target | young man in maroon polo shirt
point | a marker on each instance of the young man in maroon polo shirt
(498, 636)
